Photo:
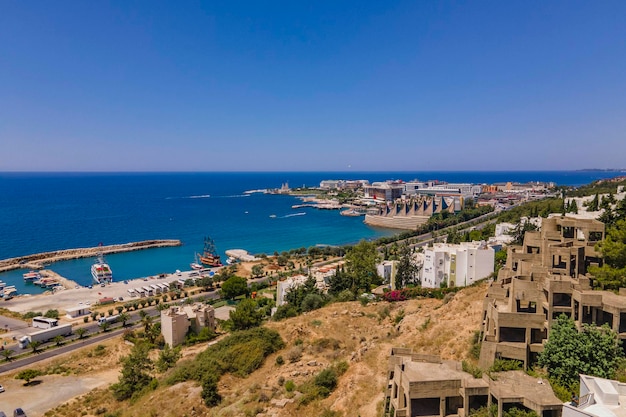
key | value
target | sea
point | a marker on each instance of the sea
(42, 212)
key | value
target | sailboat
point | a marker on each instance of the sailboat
(209, 255)
(196, 265)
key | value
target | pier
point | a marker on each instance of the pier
(39, 260)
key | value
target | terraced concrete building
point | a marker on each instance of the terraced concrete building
(545, 277)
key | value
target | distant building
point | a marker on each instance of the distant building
(74, 312)
(456, 265)
(282, 287)
(320, 275)
(384, 191)
(176, 322)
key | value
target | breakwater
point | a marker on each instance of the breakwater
(39, 260)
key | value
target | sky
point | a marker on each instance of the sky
(312, 86)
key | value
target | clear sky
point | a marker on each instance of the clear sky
(320, 85)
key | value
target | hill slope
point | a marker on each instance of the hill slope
(360, 335)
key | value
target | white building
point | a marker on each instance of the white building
(456, 265)
(283, 286)
(598, 398)
(387, 271)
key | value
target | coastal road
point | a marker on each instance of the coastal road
(29, 360)
(73, 342)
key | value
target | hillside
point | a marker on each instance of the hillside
(360, 335)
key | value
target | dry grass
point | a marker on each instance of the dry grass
(358, 334)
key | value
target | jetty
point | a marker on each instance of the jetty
(241, 255)
(40, 260)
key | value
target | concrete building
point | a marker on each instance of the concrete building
(75, 312)
(384, 191)
(424, 385)
(320, 275)
(411, 213)
(456, 265)
(598, 398)
(542, 279)
(177, 321)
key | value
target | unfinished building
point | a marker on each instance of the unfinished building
(176, 322)
(542, 279)
(424, 385)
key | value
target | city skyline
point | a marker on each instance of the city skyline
(367, 86)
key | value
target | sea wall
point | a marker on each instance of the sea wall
(398, 222)
(38, 260)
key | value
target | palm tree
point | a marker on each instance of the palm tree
(7, 354)
(124, 317)
(147, 322)
(58, 340)
(105, 326)
(35, 346)
(81, 331)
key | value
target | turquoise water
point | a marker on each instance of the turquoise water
(43, 211)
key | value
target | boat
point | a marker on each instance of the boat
(209, 255)
(31, 276)
(196, 265)
(101, 271)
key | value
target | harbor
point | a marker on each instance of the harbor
(40, 260)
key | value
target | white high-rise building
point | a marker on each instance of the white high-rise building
(456, 265)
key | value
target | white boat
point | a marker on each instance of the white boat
(101, 271)
(31, 276)
(196, 265)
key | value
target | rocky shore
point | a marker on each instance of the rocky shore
(39, 260)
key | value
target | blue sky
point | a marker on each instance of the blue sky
(323, 85)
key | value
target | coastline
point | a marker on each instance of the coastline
(39, 260)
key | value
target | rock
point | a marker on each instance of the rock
(312, 363)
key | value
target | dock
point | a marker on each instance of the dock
(40, 260)
(242, 255)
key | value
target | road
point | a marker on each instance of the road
(96, 336)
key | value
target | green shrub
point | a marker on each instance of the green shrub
(475, 371)
(345, 295)
(285, 311)
(279, 360)
(502, 365)
(290, 386)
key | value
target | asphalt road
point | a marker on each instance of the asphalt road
(94, 336)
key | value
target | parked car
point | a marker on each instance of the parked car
(1, 390)
(18, 412)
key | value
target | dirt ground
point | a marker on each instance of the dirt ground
(361, 335)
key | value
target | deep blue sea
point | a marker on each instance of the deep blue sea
(48, 211)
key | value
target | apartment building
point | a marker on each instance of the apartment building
(424, 385)
(456, 265)
(542, 279)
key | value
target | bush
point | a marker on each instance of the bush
(312, 302)
(279, 360)
(52, 314)
(240, 353)
(345, 295)
(285, 311)
(290, 386)
(327, 379)
(295, 354)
